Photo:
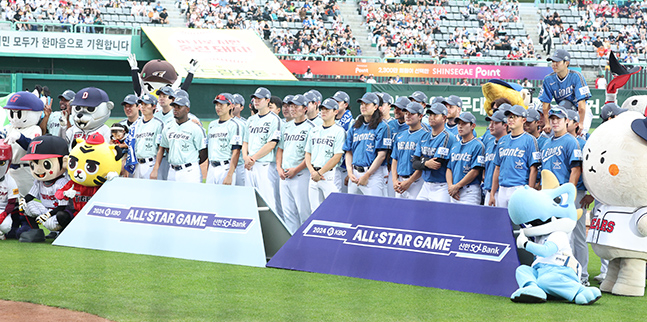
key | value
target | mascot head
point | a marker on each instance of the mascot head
(157, 74)
(5, 158)
(496, 88)
(613, 161)
(24, 109)
(47, 156)
(90, 161)
(548, 210)
(91, 108)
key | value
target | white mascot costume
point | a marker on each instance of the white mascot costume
(24, 111)
(614, 170)
(90, 109)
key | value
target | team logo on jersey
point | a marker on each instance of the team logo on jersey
(519, 164)
(557, 165)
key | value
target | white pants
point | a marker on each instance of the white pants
(274, 177)
(319, 191)
(487, 197)
(503, 195)
(5, 225)
(374, 187)
(578, 238)
(434, 191)
(188, 174)
(162, 172)
(388, 186)
(470, 195)
(412, 192)
(340, 177)
(294, 200)
(240, 175)
(259, 178)
(143, 170)
(216, 175)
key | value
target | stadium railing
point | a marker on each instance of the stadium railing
(360, 59)
(78, 28)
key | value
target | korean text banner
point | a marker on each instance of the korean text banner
(417, 70)
(443, 245)
(229, 54)
(64, 44)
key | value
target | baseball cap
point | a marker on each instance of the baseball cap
(179, 93)
(119, 127)
(418, 96)
(148, 99)
(437, 99)
(224, 98)
(611, 109)
(130, 99)
(165, 90)
(182, 101)
(533, 115)
(567, 105)
(498, 116)
(239, 99)
(299, 100)
(504, 107)
(639, 126)
(90, 97)
(454, 100)
(262, 92)
(310, 97)
(341, 96)
(45, 147)
(287, 99)
(559, 55)
(517, 110)
(437, 108)
(573, 115)
(401, 102)
(557, 111)
(317, 94)
(386, 98)
(24, 101)
(369, 98)
(330, 104)
(466, 117)
(415, 108)
(67, 95)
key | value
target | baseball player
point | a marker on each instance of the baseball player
(313, 108)
(185, 144)
(610, 111)
(276, 105)
(466, 163)
(516, 159)
(261, 136)
(147, 133)
(287, 111)
(487, 136)
(8, 195)
(164, 99)
(386, 101)
(498, 129)
(58, 122)
(565, 84)
(561, 154)
(397, 123)
(343, 118)
(131, 109)
(366, 147)
(432, 154)
(406, 179)
(224, 142)
(324, 150)
(532, 127)
(239, 105)
(291, 166)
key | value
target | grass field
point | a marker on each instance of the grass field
(126, 287)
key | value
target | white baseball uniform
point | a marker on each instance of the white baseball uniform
(19, 170)
(183, 141)
(147, 136)
(8, 190)
(222, 139)
(323, 143)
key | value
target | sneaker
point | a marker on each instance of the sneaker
(52, 235)
(585, 283)
(600, 277)
(2, 236)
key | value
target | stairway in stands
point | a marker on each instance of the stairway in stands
(175, 18)
(530, 17)
(350, 15)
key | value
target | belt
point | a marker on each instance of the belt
(219, 163)
(144, 160)
(360, 169)
(16, 166)
(180, 167)
(406, 177)
(317, 168)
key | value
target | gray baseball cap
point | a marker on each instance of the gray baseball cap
(299, 100)
(454, 100)
(310, 97)
(386, 98)
(498, 116)
(418, 96)
(167, 90)
(611, 109)
(504, 107)
(466, 117)
(559, 55)
(401, 102)
(148, 99)
(239, 99)
(415, 108)
(573, 115)
(533, 115)
(68, 95)
(437, 99)
(557, 111)
(179, 93)
(341, 96)
(330, 103)
(224, 98)
(262, 92)
(317, 94)
(130, 99)
(517, 110)
(567, 105)
(437, 108)
(369, 98)
(182, 101)
(287, 99)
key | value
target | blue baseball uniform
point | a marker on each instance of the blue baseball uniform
(364, 144)
(515, 155)
(560, 154)
(573, 88)
(404, 147)
(491, 147)
(465, 157)
(346, 120)
(454, 131)
(435, 186)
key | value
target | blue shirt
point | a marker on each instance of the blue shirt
(345, 120)
(573, 88)
(490, 152)
(364, 143)
(559, 155)
(435, 147)
(580, 183)
(396, 127)
(454, 131)
(404, 147)
(464, 157)
(515, 155)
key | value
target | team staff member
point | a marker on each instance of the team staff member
(343, 118)
(291, 166)
(366, 148)
(466, 163)
(516, 160)
(313, 108)
(324, 150)
(262, 134)
(406, 179)
(147, 133)
(432, 154)
(497, 129)
(184, 142)
(224, 141)
(561, 154)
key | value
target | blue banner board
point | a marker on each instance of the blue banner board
(442, 245)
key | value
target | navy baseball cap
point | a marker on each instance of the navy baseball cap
(168, 90)
(24, 101)
(179, 93)
(533, 115)
(418, 96)
(573, 115)
(68, 95)
(498, 116)
(415, 108)
(369, 98)
(517, 110)
(130, 99)
(262, 92)
(330, 104)
(182, 101)
(224, 98)
(454, 100)
(287, 99)
(90, 97)
(341, 96)
(567, 105)
(317, 94)
(639, 126)
(239, 99)
(401, 102)
(310, 97)
(437, 108)
(611, 109)
(559, 55)
(557, 111)
(466, 117)
(45, 147)
(148, 99)
(299, 100)
(386, 98)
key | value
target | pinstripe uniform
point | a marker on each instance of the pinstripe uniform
(222, 139)
(147, 135)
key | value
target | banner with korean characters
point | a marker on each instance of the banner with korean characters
(449, 246)
(212, 223)
(64, 44)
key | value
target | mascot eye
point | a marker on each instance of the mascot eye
(562, 200)
(558, 199)
(32, 165)
(3, 163)
(72, 163)
(92, 167)
(90, 109)
(19, 114)
(47, 165)
(78, 108)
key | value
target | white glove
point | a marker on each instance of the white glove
(194, 66)
(111, 175)
(13, 137)
(3, 133)
(35, 208)
(521, 240)
(71, 193)
(132, 60)
(611, 97)
(22, 206)
(43, 218)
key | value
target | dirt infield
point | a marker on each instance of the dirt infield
(20, 311)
